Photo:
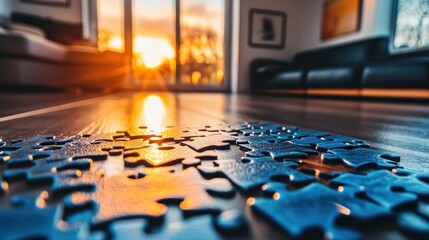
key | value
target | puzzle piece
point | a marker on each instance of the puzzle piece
(99, 137)
(194, 228)
(277, 150)
(140, 133)
(77, 147)
(414, 225)
(155, 156)
(45, 171)
(361, 158)
(29, 217)
(231, 222)
(291, 211)
(379, 187)
(140, 193)
(263, 128)
(211, 142)
(301, 133)
(325, 145)
(256, 139)
(48, 148)
(253, 172)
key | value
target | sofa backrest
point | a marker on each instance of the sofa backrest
(356, 53)
(57, 31)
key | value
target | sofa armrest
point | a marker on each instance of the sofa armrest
(267, 66)
(262, 69)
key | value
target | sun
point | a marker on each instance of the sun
(152, 52)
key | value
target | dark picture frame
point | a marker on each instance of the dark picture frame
(267, 28)
(57, 3)
(340, 17)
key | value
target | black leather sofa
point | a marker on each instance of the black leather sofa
(362, 68)
(403, 75)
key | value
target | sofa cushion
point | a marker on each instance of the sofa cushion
(413, 73)
(292, 79)
(30, 46)
(345, 77)
(24, 28)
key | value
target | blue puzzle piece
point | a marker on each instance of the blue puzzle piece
(315, 209)
(361, 158)
(253, 172)
(379, 187)
(29, 217)
(277, 150)
(324, 145)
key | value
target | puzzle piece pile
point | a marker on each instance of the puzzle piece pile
(252, 180)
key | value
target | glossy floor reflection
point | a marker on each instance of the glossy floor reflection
(397, 127)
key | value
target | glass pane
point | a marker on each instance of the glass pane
(110, 17)
(154, 42)
(202, 42)
(412, 23)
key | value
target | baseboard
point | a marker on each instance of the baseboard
(396, 93)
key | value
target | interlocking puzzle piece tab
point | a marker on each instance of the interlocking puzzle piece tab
(361, 158)
(155, 156)
(141, 193)
(301, 133)
(316, 209)
(250, 173)
(379, 186)
(211, 142)
(277, 150)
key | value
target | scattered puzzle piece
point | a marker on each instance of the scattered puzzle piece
(327, 207)
(211, 142)
(379, 186)
(324, 145)
(29, 217)
(253, 172)
(414, 225)
(361, 158)
(256, 139)
(277, 150)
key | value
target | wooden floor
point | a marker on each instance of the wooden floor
(401, 128)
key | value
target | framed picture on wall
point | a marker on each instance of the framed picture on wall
(60, 3)
(340, 17)
(267, 29)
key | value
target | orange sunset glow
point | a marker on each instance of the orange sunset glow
(154, 51)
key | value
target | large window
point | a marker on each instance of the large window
(412, 24)
(175, 42)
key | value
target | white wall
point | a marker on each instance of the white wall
(375, 21)
(72, 13)
(304, 18)
(246, 53)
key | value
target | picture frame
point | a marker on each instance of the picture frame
(267, 28)
(58, 3)
(340, 17)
